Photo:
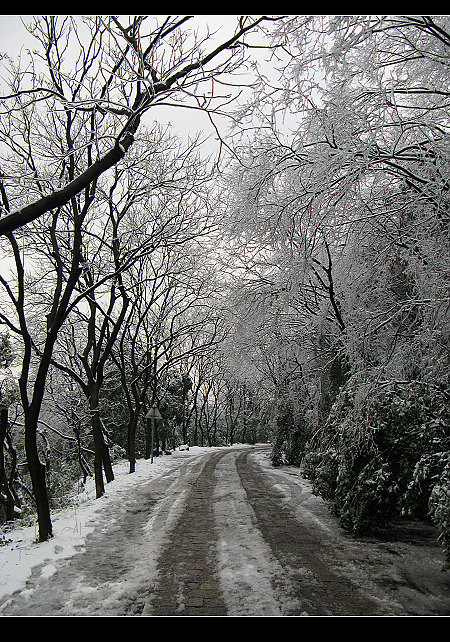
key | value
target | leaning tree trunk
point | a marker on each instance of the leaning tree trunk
(107, 464)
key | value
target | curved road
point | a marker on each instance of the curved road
(212, 537)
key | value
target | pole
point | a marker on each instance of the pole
(153, 436)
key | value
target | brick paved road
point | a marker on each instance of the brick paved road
(188, 581)
(214, 536)
(297, 582)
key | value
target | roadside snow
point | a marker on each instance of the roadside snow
(404, 571)
(72, 525)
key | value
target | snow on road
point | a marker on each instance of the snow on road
(404, 576)
(246, 563)
(72, 525)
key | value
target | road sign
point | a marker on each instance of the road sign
(153, 413)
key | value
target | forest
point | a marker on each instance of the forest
(287, 284)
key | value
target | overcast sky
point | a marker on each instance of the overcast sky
(12, 34)
(14, 37)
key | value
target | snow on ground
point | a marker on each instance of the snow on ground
(246, 564)
(72, 525)
(398, 571)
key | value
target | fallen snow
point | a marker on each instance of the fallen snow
(245, 561)
(70, 525)
(395, 572)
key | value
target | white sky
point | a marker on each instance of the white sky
(12, 34)
(14, 38)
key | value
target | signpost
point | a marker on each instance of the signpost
(153, 415)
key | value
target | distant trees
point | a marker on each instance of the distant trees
(171, 319)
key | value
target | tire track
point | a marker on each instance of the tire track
(301, 552)
(187, 582)
(211, 537)
(113, 573)
(250, 574)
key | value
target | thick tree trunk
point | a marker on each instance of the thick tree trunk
(107, 464)
(37, 472)
(102, 459)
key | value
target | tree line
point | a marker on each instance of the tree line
(339, 220)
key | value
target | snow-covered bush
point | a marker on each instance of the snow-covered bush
(440, 505)
(383, 454)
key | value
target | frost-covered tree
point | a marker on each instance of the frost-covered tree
(339, 209)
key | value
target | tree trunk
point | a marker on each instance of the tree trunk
(148, 439)
(98, 442)
(107, 464)
(5, 489)
(102, 459)
(37, 472)
(132, 426)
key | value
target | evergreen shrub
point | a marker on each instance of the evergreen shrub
(384, 455)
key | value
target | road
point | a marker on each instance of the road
(219, 535)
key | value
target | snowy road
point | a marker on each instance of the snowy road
(219, 532)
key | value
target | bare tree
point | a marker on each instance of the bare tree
(67, 120)
(121, 71)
